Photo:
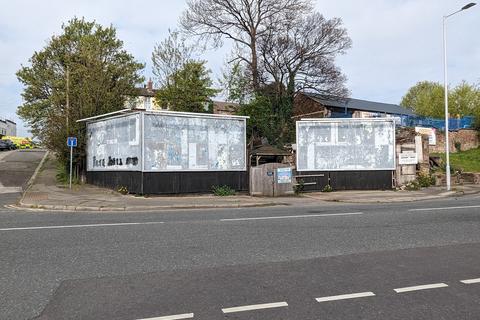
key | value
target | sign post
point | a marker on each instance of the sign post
(71, 142)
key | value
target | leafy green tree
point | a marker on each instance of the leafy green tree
(426, 98)
(464, 100)
(80, 73)
(267, 121)
(188, 89)
(236, 83)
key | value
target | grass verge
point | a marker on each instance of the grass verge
(467, 161)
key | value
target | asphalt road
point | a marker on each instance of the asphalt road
(256, 263)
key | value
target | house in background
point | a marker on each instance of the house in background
(7, 127)
(313, 105)
(223, 107)
(144, 97)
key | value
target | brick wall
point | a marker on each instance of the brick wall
(468, 139)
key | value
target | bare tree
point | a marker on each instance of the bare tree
(303, 56)
(169, 56)
(243, 21)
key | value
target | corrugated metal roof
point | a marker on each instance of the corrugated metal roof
(357, 104)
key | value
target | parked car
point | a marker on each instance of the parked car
(10, 144)
(4, 145)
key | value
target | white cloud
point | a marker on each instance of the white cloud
(395, 42)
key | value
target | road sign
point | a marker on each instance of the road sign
(72, 142)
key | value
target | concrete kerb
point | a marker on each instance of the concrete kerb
(144, 208)
(401, 199)
(34, 176)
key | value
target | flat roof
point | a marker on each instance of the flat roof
(165, 112)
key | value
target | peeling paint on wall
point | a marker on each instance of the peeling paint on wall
(178, 143)
(170, 142)
(347, 144)
(114, 144)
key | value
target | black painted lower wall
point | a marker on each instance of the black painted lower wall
(347, 180)
(169, 182)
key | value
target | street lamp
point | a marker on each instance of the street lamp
(447, 145)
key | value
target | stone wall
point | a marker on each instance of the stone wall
(468, 139)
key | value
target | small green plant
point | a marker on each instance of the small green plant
(63, 176)
(299, 187)
(122, 189)
(327, 188)
(426, 181)
(413, 185)
(223, 191)
(458, 146)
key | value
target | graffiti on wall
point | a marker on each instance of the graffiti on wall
(114, 144)
(170, 143)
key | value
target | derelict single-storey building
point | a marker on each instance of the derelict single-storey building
(166, 152)
(354, 153)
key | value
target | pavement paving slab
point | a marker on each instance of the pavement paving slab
(46, 193)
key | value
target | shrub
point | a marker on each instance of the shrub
(413, 185)
(223, 191)
(458, 146)
(63, 175)
(327, 188)
(425, 180)
(298, 188)
(122, 189)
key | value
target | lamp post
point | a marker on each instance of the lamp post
(447, 145)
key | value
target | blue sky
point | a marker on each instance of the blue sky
(396, 43)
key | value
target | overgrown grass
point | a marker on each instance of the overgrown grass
(466, 161)
(63, 176)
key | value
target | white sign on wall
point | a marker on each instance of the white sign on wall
(346, 144)
(407, 157)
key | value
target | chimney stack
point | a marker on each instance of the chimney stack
(150, 84)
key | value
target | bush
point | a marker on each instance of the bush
(327, 188)
(223, 191)
(413, 185)
(426, 180)
(122, 189)
(298, 188)
(63, 176)
(458, 146)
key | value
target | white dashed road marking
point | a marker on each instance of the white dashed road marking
(444, 208)
(422, 287)
(255, 307)
(173, 317)
(470, 281)
(82, 226)
(346, 296)
(293, 217)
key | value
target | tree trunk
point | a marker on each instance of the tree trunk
(254, 64)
